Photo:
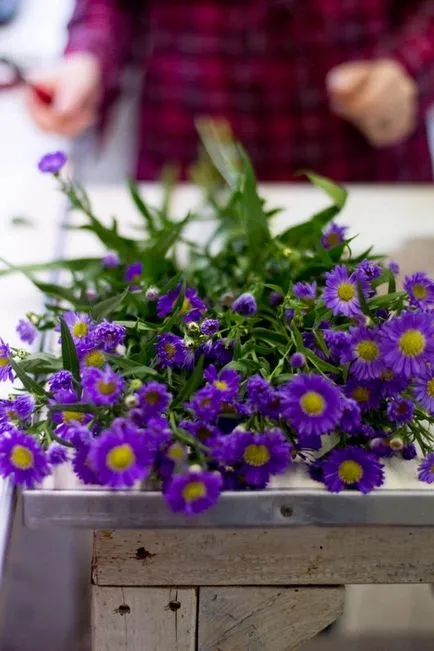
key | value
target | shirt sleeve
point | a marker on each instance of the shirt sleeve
(412, 45)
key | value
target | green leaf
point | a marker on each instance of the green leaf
(362, 300)
(335, 192)
(142, 207)
(108, 306)
(140, 371)
(192, 384)
(72, 265)
(72, 406)
(319, 363)
(254, 217)
(57, 291)
(69, 352)
(40, 363)
(28, 383)
(270, 335)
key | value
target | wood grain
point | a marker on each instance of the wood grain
(296, 556)
(143, 619)
(264, 619)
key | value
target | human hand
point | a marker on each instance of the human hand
(75, 87)
(378, 97)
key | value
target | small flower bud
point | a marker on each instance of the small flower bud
(135, 384)
(152, 294)
(131, 401)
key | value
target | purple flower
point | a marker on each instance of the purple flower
(133, 273)
(255, 456)
(367, 393)
(289, 315)
(420, 289)
(60, 381)
(264, 398)
(111, 260)
(67, 417)
(333, 236)
(108, 336)
(5, 366)
(120, 455)
(26, 331)
(368, 271)
(426, 469)
(171, 350)
(157, 433)
(192, 307)
(365, 348)
(275, 298)
(193, 492)
(57, 454)
(424, 389)
(89, 355)
(154, 398)
(352, 467)
(102, 387)
(409, 452)
(22, 459)
(83, 466)
(209, 327)
(202, 431)
(408, 343)
(351, 417)
(394, 267)
(314, 404)
(221, 352)
(297, 360)
(341, 292)
(20, 408)
(79, 435)
(400, 410)
(245, 305)
(80, 326)
(339, 344)
(52, 163)
(226, 383)
(305, 291)
(206, 404)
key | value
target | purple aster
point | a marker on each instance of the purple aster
(255, 456)
(20, 408)
(206, 404)
(351, 417)
(108, 336)
(67, 417)
(339, 344)
(314, 404)
(368, 271)
(52, 163)
(209, 327)
(391, 383)
(152, 294)
(420, 290)
(111, 260)
(154, 398)
(193, 492)
(192, 307)
(245, 305)
(408, 343)
(22, 459)
(227, 382)
(202, 431)
(409, 452)
(400, 410)
(57, 454)
(79, 435)
(424, 389)
(133, 273)
(120, 455)
(167, 302)
(102, 387)
(289, 315)
(425, 471)
(60, 381)
(157, 433)
(89, 355)
(5, 366)
(297, 360)
(367, 393)
(83, 466)
(333, 236)
(80, 326)
(394, 267)
(365, 347)
(305, 291)
(275, 298)
(354, 468)
(26, 331)
(171, 350)
(221, 352)
(264, 398)
(341, 292)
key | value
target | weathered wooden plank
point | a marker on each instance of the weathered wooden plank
(297, 556)
(143, 619)
(264, 619)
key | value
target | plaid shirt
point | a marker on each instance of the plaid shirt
(262, 65)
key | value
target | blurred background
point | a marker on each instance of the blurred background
(47, 603)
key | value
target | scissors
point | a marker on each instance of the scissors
(12, 76)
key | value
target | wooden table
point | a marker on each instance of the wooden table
(261, 572)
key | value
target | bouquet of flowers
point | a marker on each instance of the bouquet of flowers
(260, 355)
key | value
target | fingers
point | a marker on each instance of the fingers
(346, 81)
(51, 121)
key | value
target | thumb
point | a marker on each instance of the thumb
(71, 95)
(344, 81)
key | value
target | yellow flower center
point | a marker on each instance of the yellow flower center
(412, 343)
(430, 388)
(367, 350)
(22, 457)
(106, 388)
(387, 375)
(346, 291)
(69, 416)
(186, 306)
(170, 350)
(4, 361)
(360, 394)
(95, 358)
(312, 403)
(12, 414)
(419, 292)
(176, 452)
(194, 491)
(256, 455)
(350, 471)
(120, 457)
(80, 329)
(203, 433)
(333, 239)
(152, 397)
(220, 385)
(205, 402)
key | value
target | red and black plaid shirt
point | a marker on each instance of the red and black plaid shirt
(262, 65)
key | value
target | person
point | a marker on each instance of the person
(341, 87)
